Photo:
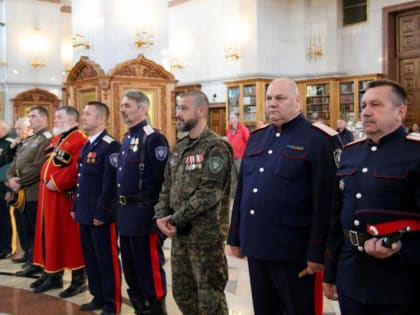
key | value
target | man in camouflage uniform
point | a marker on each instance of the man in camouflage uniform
(193, 209)
(24, 174)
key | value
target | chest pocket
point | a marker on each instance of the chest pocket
(133, 154)
(92, 164)
(291, 164)
(392, 179)
(250, 159)
(346, 171)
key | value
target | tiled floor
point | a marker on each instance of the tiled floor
(237, 290)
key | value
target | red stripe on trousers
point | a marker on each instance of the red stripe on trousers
(116, 265)
(318, 293)
(154, 257)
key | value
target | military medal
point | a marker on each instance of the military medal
(93, 157)
(88, 159)
(136, 143)
(341, 185)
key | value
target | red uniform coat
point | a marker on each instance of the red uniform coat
(57, 237)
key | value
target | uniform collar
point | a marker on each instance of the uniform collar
(290, 123)
(41, 131)
(95, 136)
(204, 133)
(396, 134)
(137, 127)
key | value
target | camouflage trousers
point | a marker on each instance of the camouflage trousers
(199, 277)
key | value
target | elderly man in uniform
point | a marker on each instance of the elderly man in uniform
(283, 203)
(6, 157)
(193, 208)
(94, 208)
(57, 237)
(15, 199)
(141, 162)
(23, 174)
(372, 265)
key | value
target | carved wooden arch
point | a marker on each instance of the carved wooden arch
(150, 77)
(34, 97)
(141, 67)
(85, 69)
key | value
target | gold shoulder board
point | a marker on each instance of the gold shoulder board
(324, 128)
(413, 136)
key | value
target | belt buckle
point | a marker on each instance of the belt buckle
(354, 238)
(123, 200)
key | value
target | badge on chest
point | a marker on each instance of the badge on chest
(134, 144)
(91, 158)
(194, 162)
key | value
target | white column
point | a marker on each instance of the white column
(110, 27)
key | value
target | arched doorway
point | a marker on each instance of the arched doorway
(34, 97)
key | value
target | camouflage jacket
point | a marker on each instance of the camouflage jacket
(196, 188)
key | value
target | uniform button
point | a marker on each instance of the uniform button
(77, 195)
(80, 164)
(123, 152)
(356, 222)
(364, 170)
(261, 170)
(252, 212)
(118, 185)
(120, 168)
(255, 190)
(77, 185)
(358, 195)
(374, 148)
(270, 151)
(129, 137)
(360, 248)
(79, 174)
(277, 134)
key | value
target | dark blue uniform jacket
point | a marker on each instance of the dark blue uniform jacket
(133, 219)
(283, 201)
(377, 183)
(96, 194)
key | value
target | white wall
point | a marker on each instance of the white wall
(110, 27)
(271, 36)
(21, 17)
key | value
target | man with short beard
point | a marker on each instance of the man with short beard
(57, 237)
(193, 209)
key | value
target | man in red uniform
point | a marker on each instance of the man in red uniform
(57, 237)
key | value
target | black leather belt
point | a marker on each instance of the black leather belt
(125, 200)
(139, 199)
(356, 238)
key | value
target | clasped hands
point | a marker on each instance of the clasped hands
(165, 227)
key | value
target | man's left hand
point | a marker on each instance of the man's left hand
(374, 247)
(50, 185)
(165, 227)
(314, 267)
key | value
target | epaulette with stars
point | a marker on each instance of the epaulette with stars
(355, 141)
(108, 139)
(325, 129)
(413, 136)
(148, 130)
(47, 134)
